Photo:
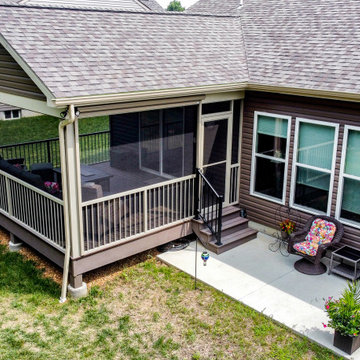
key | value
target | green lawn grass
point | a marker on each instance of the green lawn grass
(144, 312)
(44, 127)
(92, 149)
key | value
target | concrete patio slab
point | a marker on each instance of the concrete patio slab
(267, 282)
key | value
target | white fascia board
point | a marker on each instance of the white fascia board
(30, 104)
(206, 90)
(323, 94)
(147, 95)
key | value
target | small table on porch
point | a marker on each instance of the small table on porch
(90, 174)
(350, 269)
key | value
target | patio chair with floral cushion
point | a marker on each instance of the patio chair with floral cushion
(319, 233)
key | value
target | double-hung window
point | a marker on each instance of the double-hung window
(313, 166)
(348, 204)
(270, 156)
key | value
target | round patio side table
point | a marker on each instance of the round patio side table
(280, 244)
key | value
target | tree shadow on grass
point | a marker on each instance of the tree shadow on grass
(20, 276)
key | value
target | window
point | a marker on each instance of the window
(313, 168)
(12, 114)
(166, 142)
(270, 156)
(348, 205)
(216, 107)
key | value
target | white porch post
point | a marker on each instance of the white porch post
(71, 184)
(74, 187)
(199, 138)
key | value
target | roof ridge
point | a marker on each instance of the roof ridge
(245, 45)
(111, 10)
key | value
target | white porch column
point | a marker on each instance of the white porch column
(199, 139)
(71, 183)
(72, 172)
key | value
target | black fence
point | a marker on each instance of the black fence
(94, 149)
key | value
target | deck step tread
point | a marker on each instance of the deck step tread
(228, 211)
(228, 224)
(237, 236)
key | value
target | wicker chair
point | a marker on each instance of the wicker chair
(311, 265)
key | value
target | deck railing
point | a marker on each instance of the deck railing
(94, 148)
(209, 205)
(123, 216)
(34, 209)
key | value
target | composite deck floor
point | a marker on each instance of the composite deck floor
(124, 180)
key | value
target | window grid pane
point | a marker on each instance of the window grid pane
(271, 141)
(352, 160)
(350, 203)
(312, 188)
(268, 125)
(315, 149)
(269, 177)
(316, 145)
(16, 114)
(350, 207)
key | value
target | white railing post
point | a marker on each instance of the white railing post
(8, 193)
(145, 210)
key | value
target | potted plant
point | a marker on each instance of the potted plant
(344, 315)
(287, 227)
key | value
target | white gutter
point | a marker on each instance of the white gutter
(147, 95)
(210, 89)
(71, 118)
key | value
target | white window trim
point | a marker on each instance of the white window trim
(342, 175)
(253, 158)
(12, 115)
(295, 164)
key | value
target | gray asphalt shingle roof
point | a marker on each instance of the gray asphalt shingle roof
(308, 44)
(134, 5)
(215, 7)
(152, 5)
(79, 53)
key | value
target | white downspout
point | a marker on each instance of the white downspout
(71, 117)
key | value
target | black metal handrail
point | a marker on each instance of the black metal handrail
(94, 148)
(208, 205)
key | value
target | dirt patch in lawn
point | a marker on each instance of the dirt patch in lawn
(96, 277)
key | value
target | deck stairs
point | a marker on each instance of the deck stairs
(235, 231)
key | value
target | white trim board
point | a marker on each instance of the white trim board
(253, 158)
(342, 175)
(295, 164)
(34, 105)
(220, 116)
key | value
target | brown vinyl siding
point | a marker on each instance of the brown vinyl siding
(342, 113)
(14, 80)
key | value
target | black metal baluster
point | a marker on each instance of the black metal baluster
(219, 227)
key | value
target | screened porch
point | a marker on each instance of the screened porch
(135, 177)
